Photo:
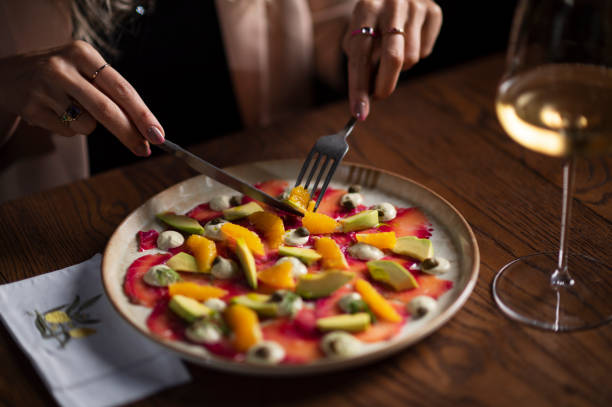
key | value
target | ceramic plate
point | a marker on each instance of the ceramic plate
(452, 238)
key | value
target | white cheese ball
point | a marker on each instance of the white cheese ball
(215, 304)
(161, 275)
(223, 268)
(297, 267)
(203, 332)
(346, 300)
(340, 344)
(220, 203)
(386, 211)
(295, 237)
(435, 266)
(169, 240)
(421, 305)
(212, 229)
(351, 200)
(364, 251)
(265, 353)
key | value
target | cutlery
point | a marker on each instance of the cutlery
(332, 148)
(224, 177)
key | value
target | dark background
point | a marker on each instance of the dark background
(177, 83)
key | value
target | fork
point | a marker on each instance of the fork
(332, 148)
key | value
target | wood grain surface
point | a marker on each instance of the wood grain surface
(439, 130)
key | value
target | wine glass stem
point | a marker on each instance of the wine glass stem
(561, 276)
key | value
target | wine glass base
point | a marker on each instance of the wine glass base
(523, 292)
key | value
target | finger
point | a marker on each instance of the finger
(123, 93)
(59, 103)
(48, 119)
(393, 16)
(431, 28)
(359, 59)
(117, 88)
(414, 24)
(105, 111)
(84, 124)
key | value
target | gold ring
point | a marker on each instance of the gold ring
(395, 30)
(95, 74)
(72, 113)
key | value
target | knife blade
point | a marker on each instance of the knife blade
(224, 177)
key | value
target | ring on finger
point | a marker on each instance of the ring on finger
(72, 113)
(369, 31)
(395, 30)
(95, 74)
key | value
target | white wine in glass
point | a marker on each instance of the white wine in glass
(556, 99)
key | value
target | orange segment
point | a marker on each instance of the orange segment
(270, 225)
(278, 276)
(377, 303)
(319, 223)
(299, 198)
(382, 240)
(234, 232)
(245, 325)
(196, 291)
(332, 256)
(204, 251)
(311, 205)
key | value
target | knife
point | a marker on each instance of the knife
(225, 178)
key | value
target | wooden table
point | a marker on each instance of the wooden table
(439, 130)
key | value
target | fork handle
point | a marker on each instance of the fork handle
(349, 126)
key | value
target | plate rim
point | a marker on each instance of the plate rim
(331, 365)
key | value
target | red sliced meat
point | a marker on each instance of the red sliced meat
(327, 307)
(202, 213)
(409, 222)
(299, 347)
(147, 240)
(428, 285)
(330, 204)
(273, 187)
(134, 286)
(164, 323)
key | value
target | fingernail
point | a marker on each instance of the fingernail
(361, 110)
(143, 150)
(154, 135)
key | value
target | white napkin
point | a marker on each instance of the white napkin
(105, 361)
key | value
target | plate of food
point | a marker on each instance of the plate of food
(230, 283)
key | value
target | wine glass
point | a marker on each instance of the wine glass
(556, 98)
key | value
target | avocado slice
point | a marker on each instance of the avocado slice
(241, 211)
(307, 256)
(183, 262)
(188, 308)
(181, 222)
(392, 273)
(258, 303)
(322, 284)
(360, 221)
(414, 247)
(247, 262)
(345, 322)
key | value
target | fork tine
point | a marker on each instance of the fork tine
(321, 172)
(304, 167)
(313, 170)
(330, 174)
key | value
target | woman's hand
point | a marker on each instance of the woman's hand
(42, 87)
(403, 32)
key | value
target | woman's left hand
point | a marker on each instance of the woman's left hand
(393, 34)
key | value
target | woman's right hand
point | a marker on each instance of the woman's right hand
(41, 86)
